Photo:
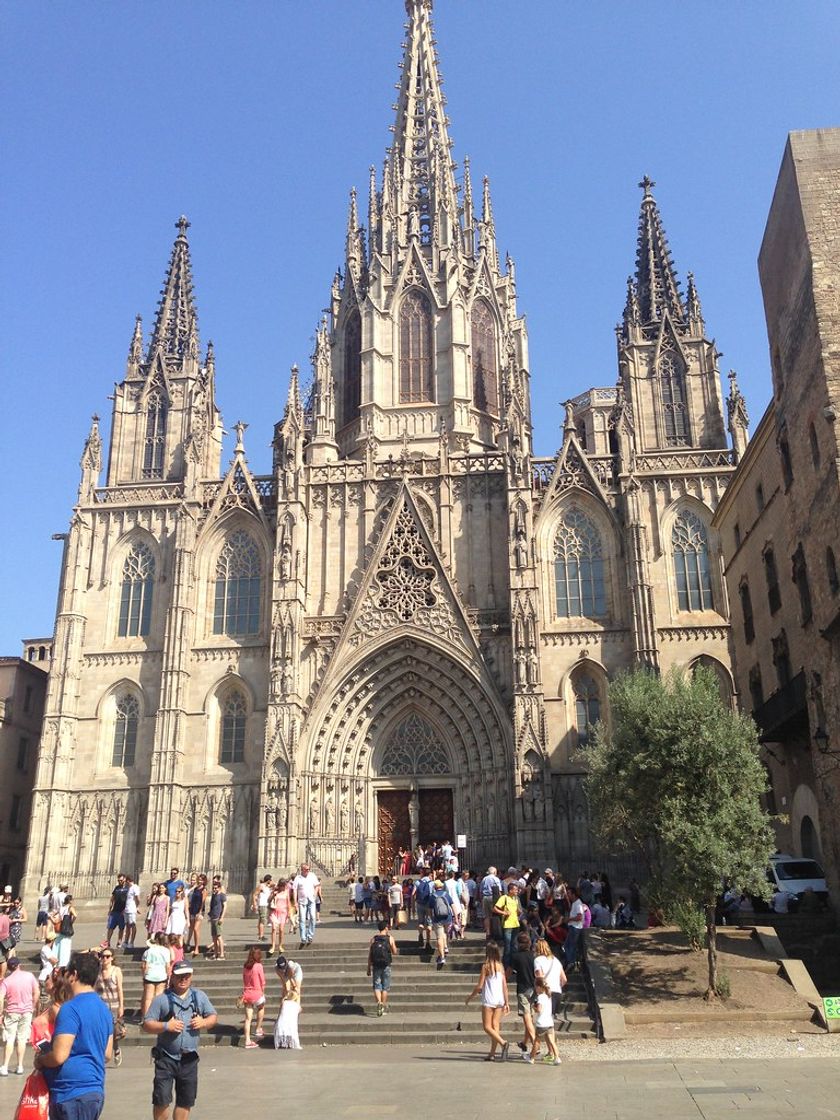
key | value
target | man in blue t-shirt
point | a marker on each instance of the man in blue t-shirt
(173, 883)
(74, 1066)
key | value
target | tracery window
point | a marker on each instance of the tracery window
(238, 570)
(485, 374)
(587, 706)
(126, 719)
(690, 544)
(153, 450)
(672, 388)
(579, 568)
(234, 716)
(416, 344)
(414, 748)
(138, 579)
(352, 367)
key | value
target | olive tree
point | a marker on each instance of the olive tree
(675, 775)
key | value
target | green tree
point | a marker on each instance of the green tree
(675, 775)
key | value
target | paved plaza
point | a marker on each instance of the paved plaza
(356, 1082)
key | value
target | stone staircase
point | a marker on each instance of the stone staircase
(426, 1006)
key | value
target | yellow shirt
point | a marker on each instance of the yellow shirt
(510, 907)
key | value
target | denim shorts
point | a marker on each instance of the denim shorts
(382, 979)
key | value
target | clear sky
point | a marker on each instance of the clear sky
(255, 119)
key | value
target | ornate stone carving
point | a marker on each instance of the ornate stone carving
(414, 748)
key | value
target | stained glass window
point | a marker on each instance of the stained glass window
(352, 367)
(485, 376)
(125, 730)
(587, 706)
(136, 597)
(416, 343)
(579, 568)
(234, 715)
(153, 451)
(237, 605)
(690, 544)
(672, 385)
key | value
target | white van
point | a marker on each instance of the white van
(793, 875)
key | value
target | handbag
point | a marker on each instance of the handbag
(402, 917)
(34, 1103)
(66, 926)
(6, 945)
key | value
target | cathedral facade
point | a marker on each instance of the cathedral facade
(406, 630)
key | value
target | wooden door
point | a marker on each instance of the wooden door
(436, 816)
(393, 826)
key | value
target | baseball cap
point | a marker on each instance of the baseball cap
(281, 962)
(182, 968)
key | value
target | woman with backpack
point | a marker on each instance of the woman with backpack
(381, 952)
(66, 922)
(492, 987)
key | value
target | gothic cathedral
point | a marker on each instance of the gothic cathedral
(405, 631)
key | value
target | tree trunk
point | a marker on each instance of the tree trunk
(711, 941)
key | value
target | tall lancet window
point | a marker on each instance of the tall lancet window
(138, 577)
(674, 407)
(352, 367)
(690, 544)
(485, 375)
(154, 447)
(238, 570)
(234, 717)
(126, 718)
(579, 568)
(416, 343)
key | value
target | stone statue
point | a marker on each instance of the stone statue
(519, 663)
(282, 814)
(329, 817)
(533, 667)
(286, 559)
(358, 820)
(314, 817)
(414, 816)
(343, 818)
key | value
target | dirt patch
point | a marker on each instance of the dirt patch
(656, 971)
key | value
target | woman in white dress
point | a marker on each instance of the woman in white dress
(177, 921)
(286, 1026)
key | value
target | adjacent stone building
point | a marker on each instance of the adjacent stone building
(405, 630)
(23, 688)
(779, 521)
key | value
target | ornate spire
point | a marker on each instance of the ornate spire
(632, 315)
(695, 311)
(355, 247)
(469, 214)
(175, 335)
(135, 350)
(738, 419)
(420, 130)
(92, 452)
(373, 213)
(487, 236)
(656, 280)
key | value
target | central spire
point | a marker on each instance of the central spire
(657, 287)
(419, 161)
(175, 333)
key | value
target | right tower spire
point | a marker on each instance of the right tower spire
(668, 373)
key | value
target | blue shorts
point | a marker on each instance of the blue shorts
(382, 979)
(86, 1107)
(116, 921)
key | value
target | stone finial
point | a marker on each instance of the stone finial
(239, 427)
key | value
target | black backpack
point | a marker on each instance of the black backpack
(380, 951)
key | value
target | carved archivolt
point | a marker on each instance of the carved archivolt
(414, 748)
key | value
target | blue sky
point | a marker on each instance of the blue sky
(255, 119)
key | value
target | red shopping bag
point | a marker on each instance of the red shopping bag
(34, 1103)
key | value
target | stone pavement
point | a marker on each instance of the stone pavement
(357, 1082)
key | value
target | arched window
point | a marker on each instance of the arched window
(416, 343)
(153, 450)
(126, 719)
(234, 715)
(672, 387)
(587, 706)
(690, 544)
(352, 367)
(138, 579)
(485, 374)
(237, 606)
(579, 568)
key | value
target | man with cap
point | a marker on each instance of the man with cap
(177, 1016)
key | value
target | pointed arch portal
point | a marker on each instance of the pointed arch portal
(410, 718)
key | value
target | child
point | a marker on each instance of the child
(543, 1025)
(175, 946)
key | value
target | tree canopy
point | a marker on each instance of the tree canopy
(675, 774)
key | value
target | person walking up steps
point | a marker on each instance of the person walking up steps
(259, 905)
(381, 952)
(177, 1017)
(441, 911)
(306, 886)
(492, 987)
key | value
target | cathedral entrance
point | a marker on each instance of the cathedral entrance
(393, 818)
